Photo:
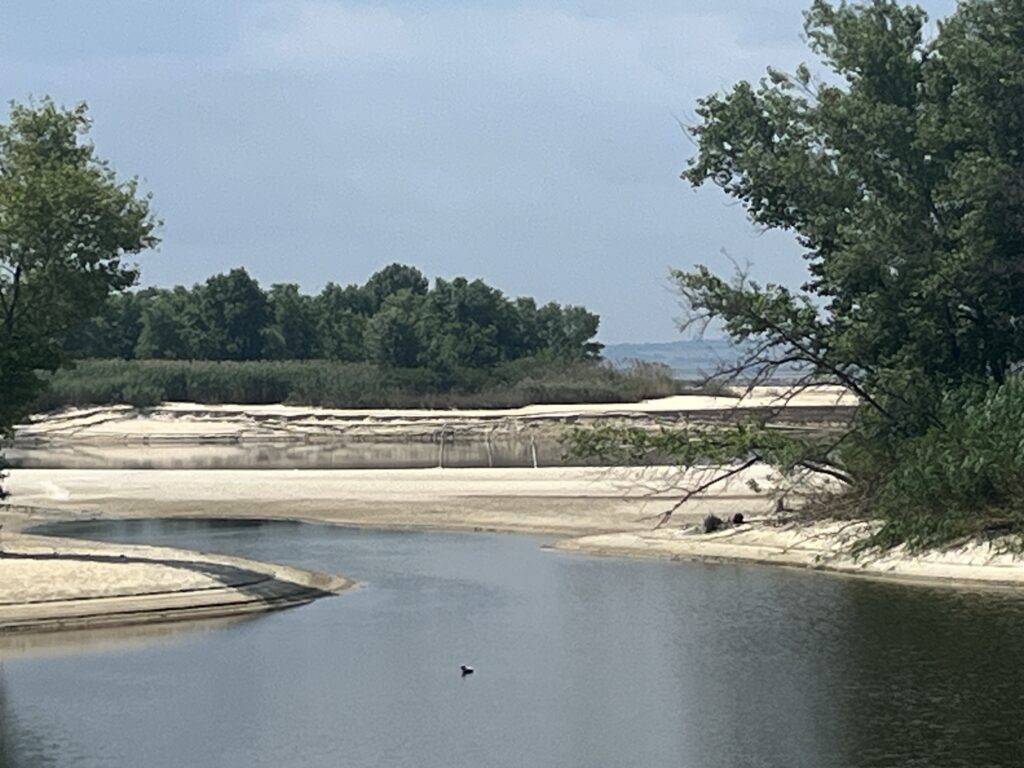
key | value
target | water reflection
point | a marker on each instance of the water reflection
(21, 746)
(939, 666)
(75, 642)
(462, 452)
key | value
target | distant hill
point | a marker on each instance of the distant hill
(688, 358)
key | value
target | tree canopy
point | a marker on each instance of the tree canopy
(900, 172)
(901, 177)
(67, 225)
(393, 320)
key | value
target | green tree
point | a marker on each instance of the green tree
(568, 331)
(114, 332)
(341, 316)
(293, 333)
(466, 325)
(232, 313)
(67, 224)
(392, 279)
(164, 334)
(394, 337)
(902, 177)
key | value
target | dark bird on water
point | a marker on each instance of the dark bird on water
(466, 670)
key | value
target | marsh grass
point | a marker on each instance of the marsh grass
(332, 384)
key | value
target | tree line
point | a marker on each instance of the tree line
(394, 320)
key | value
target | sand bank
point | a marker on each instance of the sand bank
(193, 422)
(558, 500)
(593, 510)
(54, 583)
(188, 435)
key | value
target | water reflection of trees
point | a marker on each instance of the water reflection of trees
(928, 677)
(20, 746)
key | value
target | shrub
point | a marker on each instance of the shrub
(963, 477)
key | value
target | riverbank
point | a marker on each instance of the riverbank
(598, 510)
(821, 545)
(49, 583)
(565, 501)
(592, 510)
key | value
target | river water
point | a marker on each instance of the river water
(580, 662)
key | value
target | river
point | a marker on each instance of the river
(580, 661)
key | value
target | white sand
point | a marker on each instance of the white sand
(602, 511)
(191, 422)
(821, 546)
(49, 583)
(565, 500)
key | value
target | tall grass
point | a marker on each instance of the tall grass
(325, 383)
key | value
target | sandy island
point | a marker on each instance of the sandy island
(48, 583)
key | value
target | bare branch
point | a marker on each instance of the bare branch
(702, 487)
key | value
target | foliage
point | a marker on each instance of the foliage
(393, 338)
(901, 176)
(393, 320)
(900, 183)
(963, 478)
(67, 223)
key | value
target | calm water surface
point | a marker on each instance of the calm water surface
(580, 662)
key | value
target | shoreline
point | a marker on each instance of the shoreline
(594, 510)
(590, 510)
(56, 583)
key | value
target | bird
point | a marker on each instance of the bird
(466, 670)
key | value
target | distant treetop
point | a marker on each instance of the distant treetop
(395, 320)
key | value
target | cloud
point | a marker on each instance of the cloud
(319, 33)
(637, 56)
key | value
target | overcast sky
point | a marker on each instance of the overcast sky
(535, 145)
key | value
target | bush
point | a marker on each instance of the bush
(963, 477)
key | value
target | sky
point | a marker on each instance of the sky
(536, 145)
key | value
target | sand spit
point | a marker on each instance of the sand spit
(49, 583)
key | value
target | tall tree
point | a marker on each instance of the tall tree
(164, 333)
(293, 333)
(394, 335)
(67, 224)
(341, 315)
(114, 332)
(392, 279)
(902, 177)
(232, 312)
(467, 325)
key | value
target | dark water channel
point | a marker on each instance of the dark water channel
(580, 662)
